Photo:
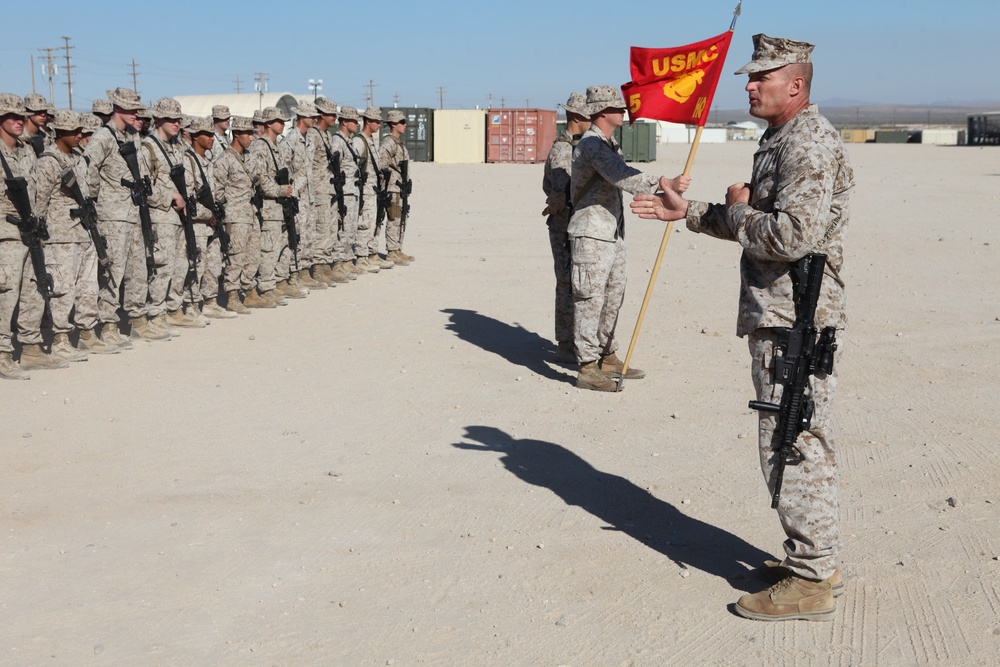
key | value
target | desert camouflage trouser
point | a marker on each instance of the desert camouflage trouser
(598, 278)
(128, 266)
(393, 225)
(367, 242)
(809, 509)
(73, 267)
(343, 251)
(166, 288)
(18, 290)
(306, 226)
(275, 256)
(325, 220)
(563, 264)
(209, 267)
(244, 256)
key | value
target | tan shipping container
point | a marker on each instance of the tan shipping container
(460, 136)
(857, 136)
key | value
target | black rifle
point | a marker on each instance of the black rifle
(405, 188)
(383, 200)
(205, 198)
(32, 228)
(803, 353)
(187, 222)
(37, 142)
(141, 189)
(338, 179)
(289, 209)
(87, 215)
(257, 201)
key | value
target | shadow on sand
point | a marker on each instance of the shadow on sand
(626, 507)
(514, 343)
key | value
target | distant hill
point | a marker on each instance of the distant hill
(878, 115)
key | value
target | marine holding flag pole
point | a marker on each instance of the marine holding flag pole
(677, 85)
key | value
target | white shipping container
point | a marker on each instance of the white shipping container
(460, 136)
(939, 137)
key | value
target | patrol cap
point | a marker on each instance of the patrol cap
(395, 116)
(774, 52)
(600, 98)
(305, 110)
(272, 113)
(221, 112)
(371, 113)
(91, 123)
(36, 103)
(325, 106)
(577, 104)
(202, 124)
(101, 106)
(66, 121)
(241, 124)
(349, 113)
(125, 98)
(11, 104)
(167, 108)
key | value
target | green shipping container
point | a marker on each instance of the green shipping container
(638, 141)
(419, 132)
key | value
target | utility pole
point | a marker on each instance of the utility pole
(135, 76)
(33, 74)
(50, 71)
(261, 87)
(237, 82)
(69, 72)
(489, 105)
(370, 97)
(440, 97)
(395, 100)
(501, 102)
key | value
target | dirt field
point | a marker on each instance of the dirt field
(393, 472)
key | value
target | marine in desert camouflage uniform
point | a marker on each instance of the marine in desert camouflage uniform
(221, 119)
(558, 207)
(118, 218)
(163, 151)
(797, 202)
(37, 132)
(70, 255)
(346, 250)
(364, 147)
(234, 188)
(198, 171)
(391, 153)
(267, 159)
(319, 151)
(597, 238)
(298, 164)
(103, 109)
(18, 289)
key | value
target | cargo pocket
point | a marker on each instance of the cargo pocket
(585, 272)
(8, 279)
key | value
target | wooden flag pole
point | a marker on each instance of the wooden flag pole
(656, 268)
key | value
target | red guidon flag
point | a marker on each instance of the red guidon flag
(676, 84)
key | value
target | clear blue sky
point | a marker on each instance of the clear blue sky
(871, 51)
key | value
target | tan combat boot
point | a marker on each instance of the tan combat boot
(363, 264)
(591, 377)
(775, 570)
(143, 329)
(255, 300)
(112, 336)
(408, 258)
(159, 323)
(791, 599)
(178, 318)
(612, 366)
(285, 288)
(397, 257)
(379, 262)
(234, 305)
(91, 344)
(321, 273)
(355, 268)
(34, 357)
(10, 369)
(61, 347)
(274, 297)
(213, 310)
(340, 273)
(306, 280)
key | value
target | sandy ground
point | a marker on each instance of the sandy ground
(393, 472)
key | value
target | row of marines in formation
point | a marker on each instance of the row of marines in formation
(184, 218)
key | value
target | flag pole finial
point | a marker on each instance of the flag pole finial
(736, 15)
